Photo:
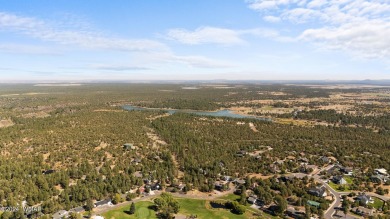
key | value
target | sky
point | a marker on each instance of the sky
(194, 40)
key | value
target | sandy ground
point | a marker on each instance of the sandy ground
(155, 139)
(101, 146)
(386, 187)
(6, 123)
(107, 110)
(36, 115)
(260, 176)
(253, 127)
(180, 174)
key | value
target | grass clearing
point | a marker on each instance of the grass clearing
(377, 203)
(142, 211)
(342, 188)
(231, 197)
(202, 209)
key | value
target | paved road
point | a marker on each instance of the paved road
(336, 203)
(331, 211)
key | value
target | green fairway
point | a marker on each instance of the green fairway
(231, 197)
(201, 208)
(142, 211)
(204, 210)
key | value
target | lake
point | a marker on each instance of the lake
(220, 113)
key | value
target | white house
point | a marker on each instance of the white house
(381, 171)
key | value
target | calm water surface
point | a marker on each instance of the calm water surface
(220, 113)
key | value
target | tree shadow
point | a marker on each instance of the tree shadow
(152, 207)
(128, 212)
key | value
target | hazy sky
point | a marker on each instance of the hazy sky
(194, 39)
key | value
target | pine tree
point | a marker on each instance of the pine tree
(132, 208)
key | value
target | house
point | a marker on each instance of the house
(318, 191)
(239, 182)
(294, 213)
(379, 178)
(347, 170)
(102, 203)
(180, 187)
(147, 181)
(339, 180)
(129, 146)
(156, 186)
(221, 186)
(313, 203)
(364, 199)
(227, 178)
(60, 214)
(252, 199)
(381, 171)
(324, 159)
(363, 211)
(241, 153)
(77, 210)
(335, 170)
(274, 168)
(303, 160)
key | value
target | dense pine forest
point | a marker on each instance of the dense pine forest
(62, 147)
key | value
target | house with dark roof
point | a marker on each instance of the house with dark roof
(318, 191)
(294, 213)
(364, 199)
(347, 170)
(339, 180)
(227, 178)
(102, 203)
(363, 211)
(220, 186)
(379, 178)
(156, 186)
(239, 182)
(324, 159)
(252, 199)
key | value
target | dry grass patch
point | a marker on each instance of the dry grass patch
(6, 123)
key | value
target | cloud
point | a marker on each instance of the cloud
(81, 36)
(272, 19)
(119, 68)
(27, 49)
(367, 40)
(46, 31)
(201, 62)
(359, 27)
(223, 36)
(204, 35)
